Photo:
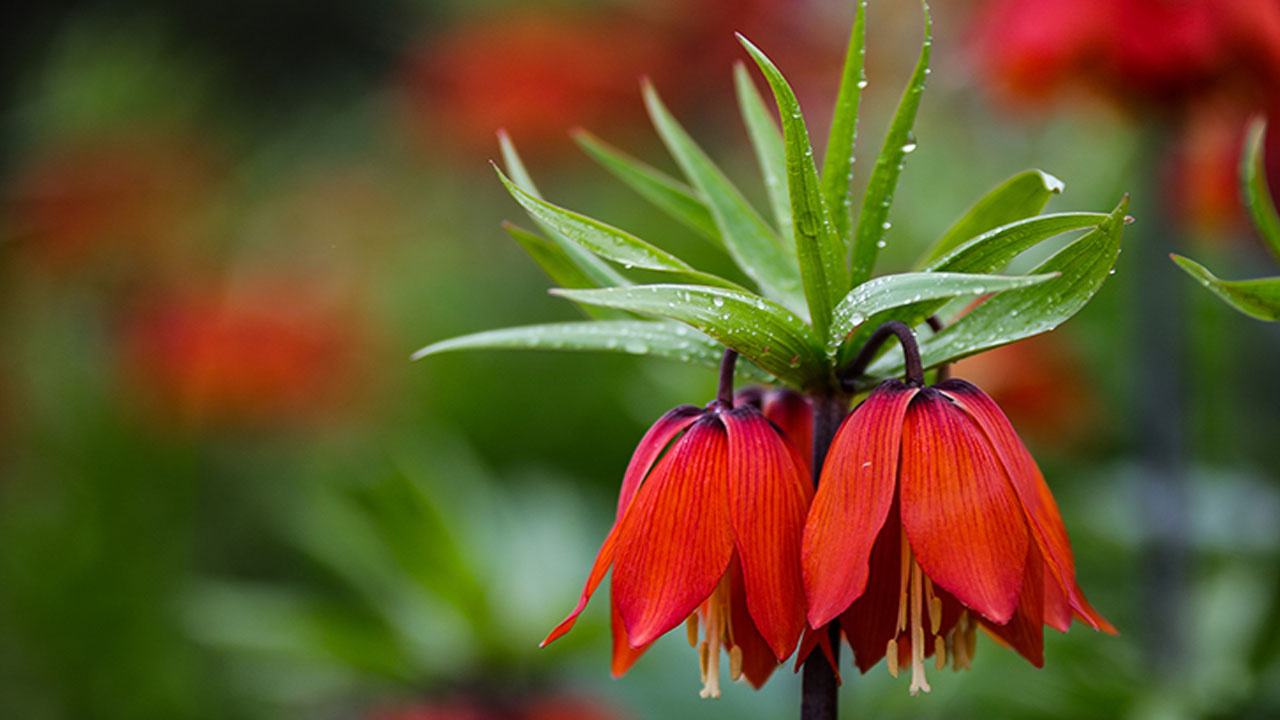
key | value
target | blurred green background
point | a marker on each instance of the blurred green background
(225, 492)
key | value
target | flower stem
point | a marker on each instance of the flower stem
(910, 351)
(724, 393)
(818, 696)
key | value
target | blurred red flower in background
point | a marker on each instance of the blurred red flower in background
(1039, 385)
(267, 353)
(126, 199)
(1145, 55)
(1202, 66)
(538, 74)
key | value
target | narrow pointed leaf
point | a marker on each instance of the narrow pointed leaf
(556, 264)
(764, 332)
(894, 291)
(599, 271)
(1083, 266)
(818, 248)
(987, 253)
(666, 193)
(750, 241)
(837, 165)
(1258, 298)
(873, 221)
(607, 241)
(1257, 195)
(550, 257)
(631, 337)
(1021, 196)
(767, 141)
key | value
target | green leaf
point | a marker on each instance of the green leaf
(764, 332)
(767, 141)
(747, 237)
(837, 165)
(556, 264)
(1083, 266)
(595, 268)
(605, 240)
(1021, 196)
(550, 257)
(632, 337)
(888, 292)
(819, 249)
(1258, 298)
(873, 221)
(987, 253)
(1257, 195)
(669, 195)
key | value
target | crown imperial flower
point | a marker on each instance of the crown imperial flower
(931, 520)
(708, 533)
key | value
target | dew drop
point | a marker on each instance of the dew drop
(862, 83)
(717, 301)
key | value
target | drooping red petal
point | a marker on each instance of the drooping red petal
(872, 620)
(650, 447)
(1025, 630)
(758, 659)
(675, 541)
(655, 440)
(769, 497)
(817, 639)
(1057, 611)
(604, 558)
(962, 519)
(624, 656)
(793, 414)
(1033, 493)
(853, 498)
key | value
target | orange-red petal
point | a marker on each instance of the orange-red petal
(1033, 493)
(655, 440)
(675, 541)
(604, 559)
(962, 518)
(758, 659)
(768, 499)
(793, 414)
(853, 499)
(872, 620)
(1025, 630)
(624, 656)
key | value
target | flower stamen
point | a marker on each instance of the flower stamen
(918, 681)
(716, 633)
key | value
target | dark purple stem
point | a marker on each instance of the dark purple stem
(818, 696)
(910, 351)
(724, 394)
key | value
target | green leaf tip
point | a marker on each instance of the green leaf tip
(819, 249)
(1254, 187)
(899, 141)
(1259, 298)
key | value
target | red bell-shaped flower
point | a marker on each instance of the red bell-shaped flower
(932, 520)
(708, 531)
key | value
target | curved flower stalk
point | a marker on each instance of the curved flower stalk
(707, 533)
(1258, 298)
(932, 520)
(804, 300)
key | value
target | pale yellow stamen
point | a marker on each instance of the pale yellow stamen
(939, 652)
(716, 629)
(891, 657)
(962, 642)
(735, 663)
(918, 681)
(935, 606)
(691, 628)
